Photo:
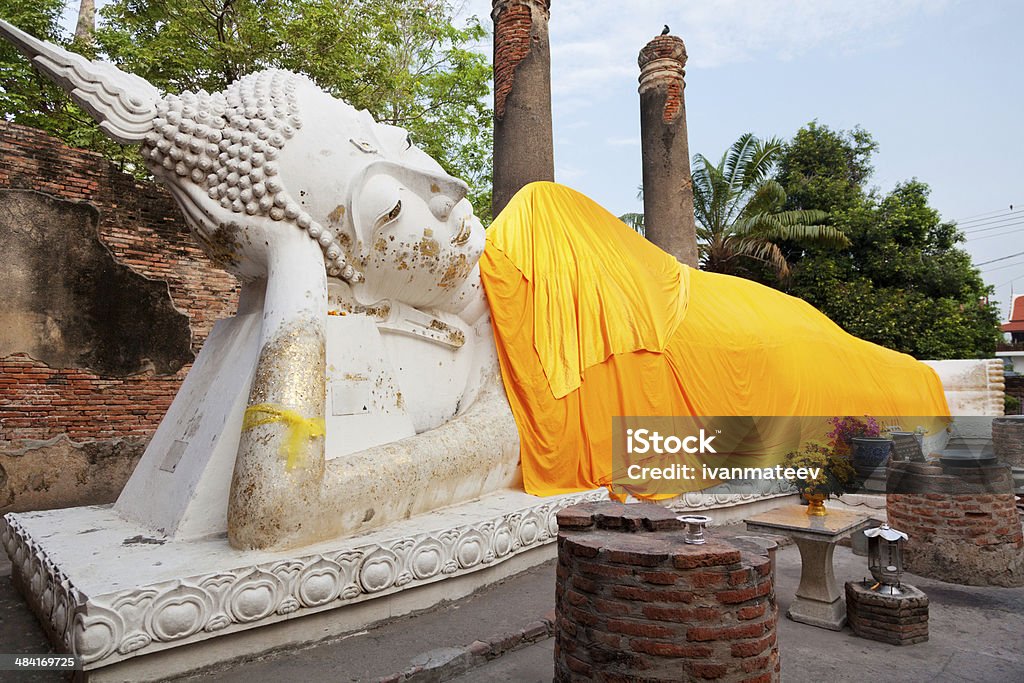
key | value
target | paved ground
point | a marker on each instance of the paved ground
(977, 636)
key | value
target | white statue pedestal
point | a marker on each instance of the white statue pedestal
(126, 600)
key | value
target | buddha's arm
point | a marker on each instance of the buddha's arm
(268, 497)
(471, 454)
(273, 507)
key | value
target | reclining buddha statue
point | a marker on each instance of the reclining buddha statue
(403, 362)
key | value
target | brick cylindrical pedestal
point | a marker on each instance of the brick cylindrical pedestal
(523, 142)
(963, 523)
(668, 190)
(634, 602)
(1008, 439)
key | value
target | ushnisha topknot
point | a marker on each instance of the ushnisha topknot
(228, 144)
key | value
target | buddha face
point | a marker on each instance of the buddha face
(421, 241)
(403, 223)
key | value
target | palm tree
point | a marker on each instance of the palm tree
(634, 220)
(738, 208)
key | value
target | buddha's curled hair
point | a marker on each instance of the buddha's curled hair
(228, 144)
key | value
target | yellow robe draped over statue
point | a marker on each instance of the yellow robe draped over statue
(593, 321)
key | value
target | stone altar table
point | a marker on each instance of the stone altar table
(818, 601)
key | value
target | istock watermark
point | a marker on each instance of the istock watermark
(669, 455)
(646, 441)
(683, 472)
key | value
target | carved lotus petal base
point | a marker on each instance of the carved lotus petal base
(155, 594)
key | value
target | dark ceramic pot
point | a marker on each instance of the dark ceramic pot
(870, 452)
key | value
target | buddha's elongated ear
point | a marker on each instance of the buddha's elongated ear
(122, 103)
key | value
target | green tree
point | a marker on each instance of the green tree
(634, 220)
(25, 97)
(825, 169)
(29, 99)
(902, 282)
(403, 60)
(740, 214)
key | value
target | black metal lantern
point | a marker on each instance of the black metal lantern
(885, 557)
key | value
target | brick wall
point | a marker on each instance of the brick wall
(68, 435)
(1008, 439)
(981, 520)
(634, 602)
(143, 229)
(900, 619)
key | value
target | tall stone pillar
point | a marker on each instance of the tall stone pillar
(668, 192)
(523, 145)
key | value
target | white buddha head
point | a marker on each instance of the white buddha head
(275, 150)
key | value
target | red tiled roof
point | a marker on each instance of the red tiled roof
(1016, 322)
(1018, 309)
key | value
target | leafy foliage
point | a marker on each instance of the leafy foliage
(29, 99)
(826, 170)
(634, 220)
(403, 60)
(1012, 404)
(902, 282)
(835, 474)
(740, 212)
(22, 95)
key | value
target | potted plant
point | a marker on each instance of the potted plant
(832, 475)
(862, 439)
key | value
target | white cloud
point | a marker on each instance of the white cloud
(595, 43)
(568, 174)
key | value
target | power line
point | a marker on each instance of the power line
(992, 226)
(1010, 282)
(995, 227)
(1001, 258)
(970, 225)
(978, 227)
(990, 219)
(987, 213)
(999, 234)
(1007, 265)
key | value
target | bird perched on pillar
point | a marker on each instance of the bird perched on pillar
(664, 31)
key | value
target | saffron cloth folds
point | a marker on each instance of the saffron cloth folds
(592, 321)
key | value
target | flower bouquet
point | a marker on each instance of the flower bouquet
(846, 429)
(828, 474)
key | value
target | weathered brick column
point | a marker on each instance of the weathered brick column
(523, 144)
(634, 602)
(668, 192)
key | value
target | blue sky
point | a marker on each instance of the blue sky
(937, 82)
